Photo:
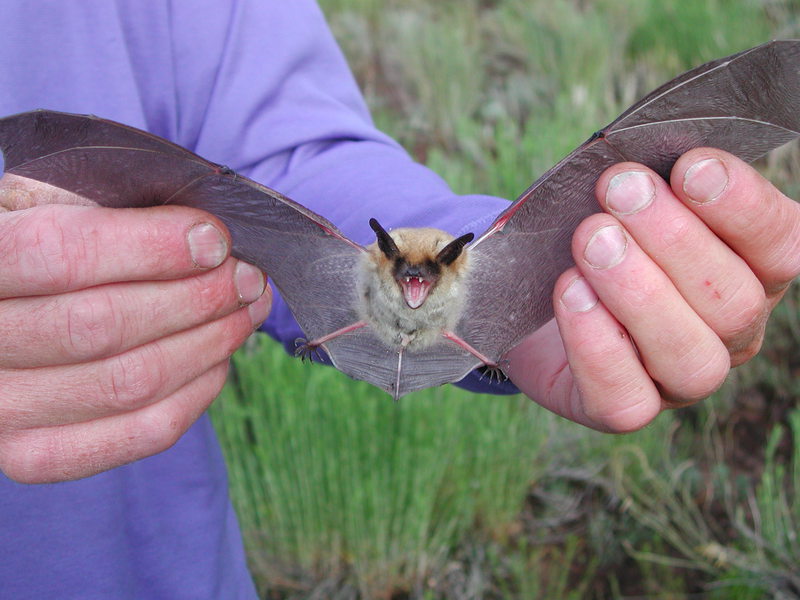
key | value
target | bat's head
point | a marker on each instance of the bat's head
(420, 259)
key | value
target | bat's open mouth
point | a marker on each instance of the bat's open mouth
(415, 290)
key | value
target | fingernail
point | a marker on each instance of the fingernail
(606, 247)
(249, 281)
(579, 296)
(207, 246)
(259, 310)
(705, 180)
(630, 192)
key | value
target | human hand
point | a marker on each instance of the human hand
(116, 326)
(673, 286)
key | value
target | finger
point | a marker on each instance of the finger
(716, 282)
(538, 367)
(19, 193)
(740, 206)
(106, 320)
(583, 367)
(678, 349)
(67, 452)
(125, 382)
(601, 383)
(56, 248)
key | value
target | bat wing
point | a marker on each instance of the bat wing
(746, 104)
(310, 262)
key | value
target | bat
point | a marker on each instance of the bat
(418, 307)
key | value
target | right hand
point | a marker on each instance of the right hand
(116, 328)
(673, 285)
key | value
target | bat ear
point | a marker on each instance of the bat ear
(453, 250)
(385, 241)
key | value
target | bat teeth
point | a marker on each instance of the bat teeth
(415, 290)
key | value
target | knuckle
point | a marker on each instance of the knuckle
(745, 314)
(51, 256)
(745, 352)
(633, 410)
(135, 378)
(618, 396)
(224, 336)
(783, 266)
(160, 429)
(645, 293)
(676, 231)
(781, 241)
(48, 250)
(702, 379)
(234, 335)
(93, 326)
(218, 378)
(162, 425)
(785, 274)
(160, 244)
(771, 223)
(212, 294)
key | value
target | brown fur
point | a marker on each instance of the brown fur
(383, 305)
(418, 245)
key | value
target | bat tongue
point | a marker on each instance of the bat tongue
(415, 291)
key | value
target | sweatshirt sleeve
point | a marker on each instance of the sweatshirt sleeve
(283, 108)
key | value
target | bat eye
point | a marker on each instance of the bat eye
(453, 250)
(385, 241)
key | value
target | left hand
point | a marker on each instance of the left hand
(673, 286)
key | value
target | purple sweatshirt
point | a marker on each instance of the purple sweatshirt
(259, 86)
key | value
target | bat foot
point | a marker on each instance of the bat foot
(306, 351)
(494, 371)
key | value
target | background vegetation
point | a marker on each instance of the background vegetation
(343, 494)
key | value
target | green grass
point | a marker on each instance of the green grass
(343, 493)
(762, 557)
(332, 477)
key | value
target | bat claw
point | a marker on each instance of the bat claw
(494, 372)
(305, 351)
